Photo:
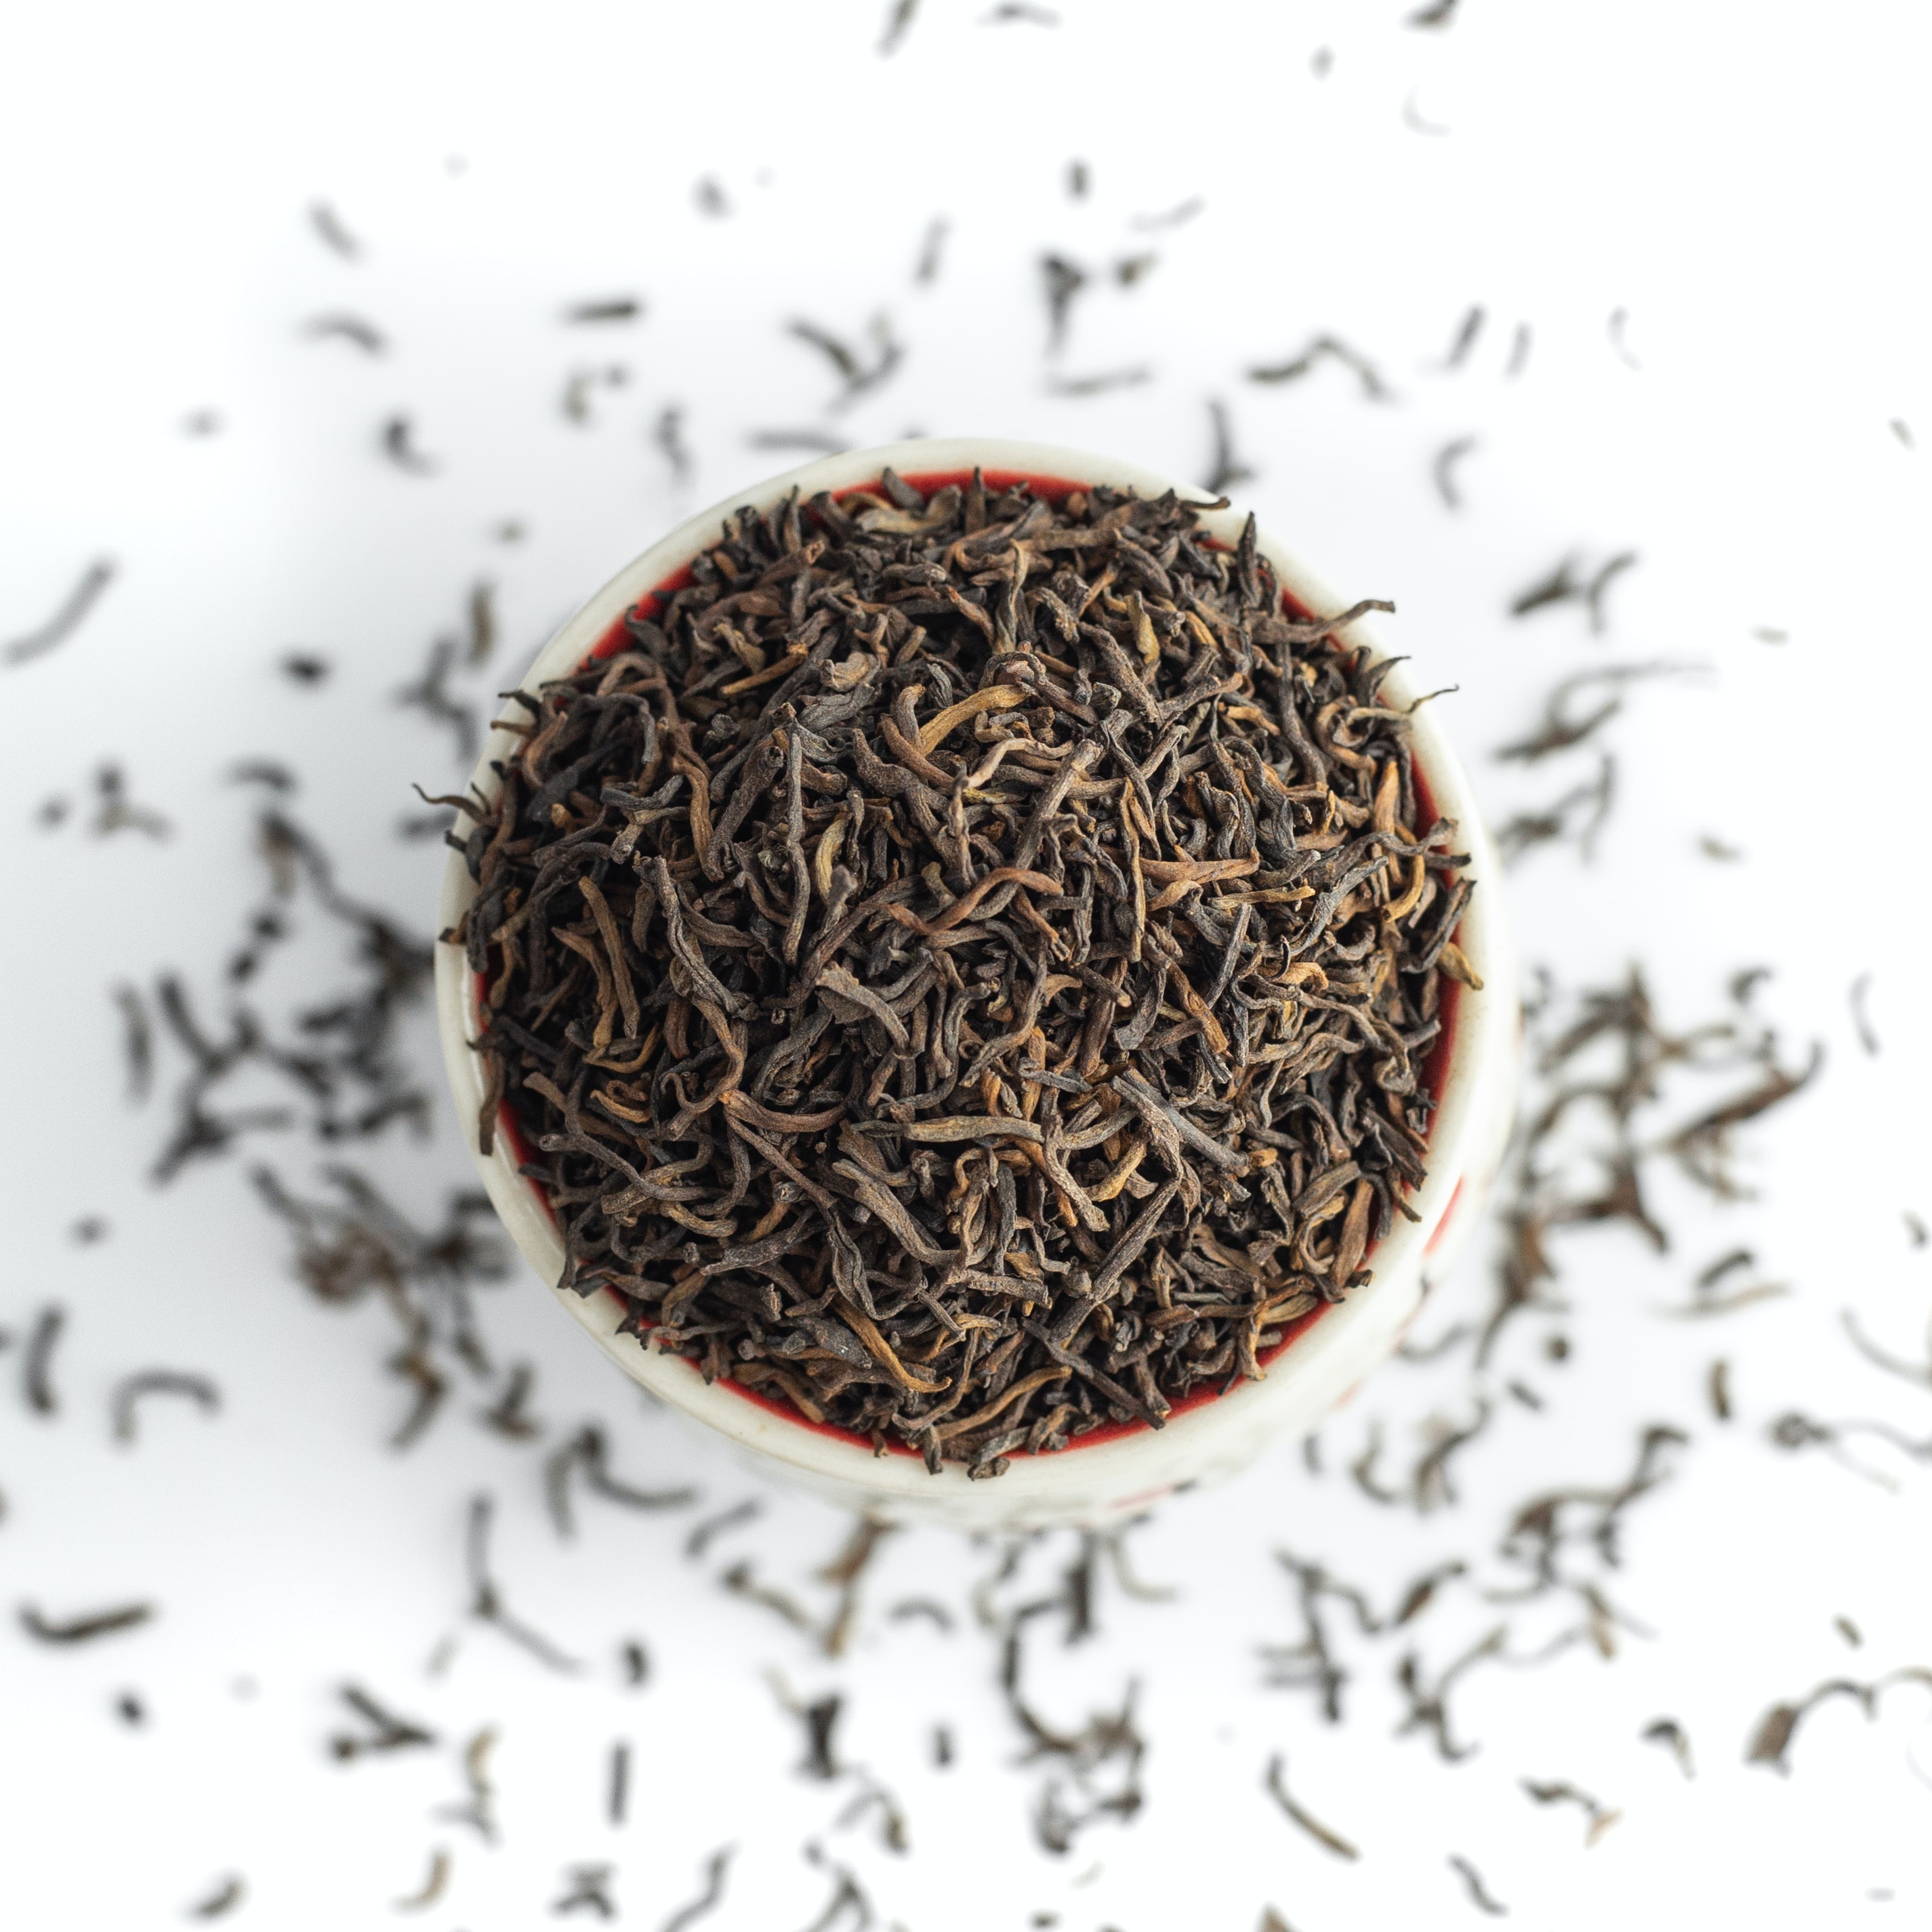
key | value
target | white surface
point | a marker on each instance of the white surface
(1743, 181)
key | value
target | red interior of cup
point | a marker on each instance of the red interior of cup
(1435, 1071)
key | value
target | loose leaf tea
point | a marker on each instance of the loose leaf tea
(668, 434)
(588, 1451)
(37, 1360)
(856, 375)
(715, 1869)
(963, 969)
(65, 621)
(481, 1810)
(223, 1900)
(1467, 331)
(613, 308)
(432, 1886)
(387, 1731)
(1599, 1817)
(1277, 1782)
(1668, 1731)
(399, 445)
(898, 23)
(1479, 1893)
(1227, 469)
(131, 1389)
(1771, 1740)
(83, 1629)
(365, 335)
(1326, 348)
(589, 1891)
(1442, 471)
(1563, 585)
(328, 225)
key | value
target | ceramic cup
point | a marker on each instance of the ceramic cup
(1092, 1481)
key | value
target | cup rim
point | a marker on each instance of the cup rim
(1480, 1040)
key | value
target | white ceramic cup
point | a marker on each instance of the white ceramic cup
(1090, 1482)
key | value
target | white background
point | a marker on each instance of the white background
(1746, 183)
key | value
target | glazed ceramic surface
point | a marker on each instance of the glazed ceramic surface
(1087, 1482)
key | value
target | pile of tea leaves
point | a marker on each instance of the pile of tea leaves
(964, 969)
